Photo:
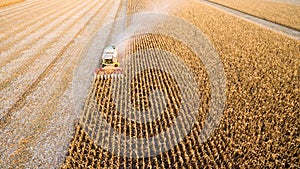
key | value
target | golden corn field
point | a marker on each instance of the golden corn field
(282, 13)
(44, 43)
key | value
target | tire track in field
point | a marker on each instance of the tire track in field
(118, 14)
(30, 11)
(39, 26)
(44, 47)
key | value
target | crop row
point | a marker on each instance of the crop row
(141, 85)
(258, 125)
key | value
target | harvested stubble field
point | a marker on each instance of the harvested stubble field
(260, 125)
(40, 45)
(9, 2)
(281, 13)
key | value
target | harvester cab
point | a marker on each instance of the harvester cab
(110, 57)
(110, 64)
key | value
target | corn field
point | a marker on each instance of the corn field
(43, 42)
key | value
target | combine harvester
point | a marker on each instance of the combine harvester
(110, 64)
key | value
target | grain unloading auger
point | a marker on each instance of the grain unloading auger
(110, 64)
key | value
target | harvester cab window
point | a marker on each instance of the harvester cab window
(108, 61)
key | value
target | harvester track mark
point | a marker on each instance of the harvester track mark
(112, 30)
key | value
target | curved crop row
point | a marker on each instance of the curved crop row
(142, 84)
